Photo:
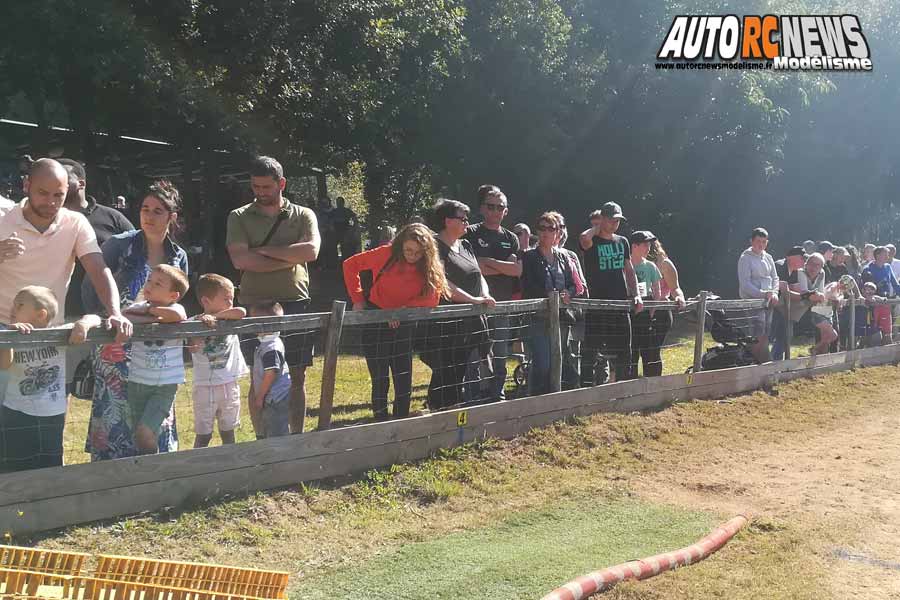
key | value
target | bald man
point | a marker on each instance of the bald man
(40, 241)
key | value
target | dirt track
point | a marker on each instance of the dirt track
(839, 481)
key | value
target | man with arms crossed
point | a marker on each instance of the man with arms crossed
(496, 249)
(274, 269)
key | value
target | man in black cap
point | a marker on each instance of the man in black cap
(610, 276)
(787, 269)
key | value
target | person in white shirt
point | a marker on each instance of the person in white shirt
(218, 364)
(157, 366)
(34, 404)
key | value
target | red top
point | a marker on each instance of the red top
(398, 286)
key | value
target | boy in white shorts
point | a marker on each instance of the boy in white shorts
(218, 364)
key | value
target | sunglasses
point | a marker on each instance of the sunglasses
(495, 207)
(547, 228)
(463, 219)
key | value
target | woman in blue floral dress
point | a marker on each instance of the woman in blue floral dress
(131, 256)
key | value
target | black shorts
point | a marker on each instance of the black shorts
(299, 346)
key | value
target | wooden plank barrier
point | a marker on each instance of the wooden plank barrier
(52, 562)
(194, 576)
(84, 587)
(61, 496)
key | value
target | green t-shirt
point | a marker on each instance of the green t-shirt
(647, 274)
(248, 225)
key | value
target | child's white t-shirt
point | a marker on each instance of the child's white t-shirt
(219, 360)
(156, 362)
(37, 381)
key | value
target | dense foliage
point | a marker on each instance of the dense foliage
(556, 101)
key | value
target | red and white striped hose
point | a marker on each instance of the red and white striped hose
(602, 580)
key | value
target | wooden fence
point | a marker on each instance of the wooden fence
(56, 497)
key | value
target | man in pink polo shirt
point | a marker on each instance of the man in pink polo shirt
(40, 240)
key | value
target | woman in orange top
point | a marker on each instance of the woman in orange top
(407, 273)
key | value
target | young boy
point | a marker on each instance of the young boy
(270, 380)
(34, 409)
(218, 364)
(157, 366)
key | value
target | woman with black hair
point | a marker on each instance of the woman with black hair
(453, 340)
(131, 257)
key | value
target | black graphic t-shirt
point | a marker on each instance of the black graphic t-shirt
(461, 267)
(782, 270)
(604, 267)
(499, 245)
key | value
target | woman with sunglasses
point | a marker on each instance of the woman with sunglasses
(545, 270)
(406, 273)
(131, 257)
(452, 341)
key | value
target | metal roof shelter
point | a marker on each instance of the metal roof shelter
(212, 182)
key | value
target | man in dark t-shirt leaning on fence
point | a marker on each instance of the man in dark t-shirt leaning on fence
(610, 276)
(496, 249)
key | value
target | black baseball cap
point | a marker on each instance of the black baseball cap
(639, 237)
(825, 246)
(611, 210)
(796, 251)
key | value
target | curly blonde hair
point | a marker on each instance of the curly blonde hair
(429, 265)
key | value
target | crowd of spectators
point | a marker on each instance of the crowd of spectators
(64, 259)
(820, 279)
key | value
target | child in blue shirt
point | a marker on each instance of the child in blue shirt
(270, 379)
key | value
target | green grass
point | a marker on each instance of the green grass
(516, 558)
(412, 522)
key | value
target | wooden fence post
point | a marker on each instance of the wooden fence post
(852, 332)
(329, 366)
(555, 342)
(701, 328)
(788, 325)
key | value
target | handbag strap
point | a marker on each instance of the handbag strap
(282, 216)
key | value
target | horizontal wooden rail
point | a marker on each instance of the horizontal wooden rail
(60, 496)
(620, 305)
(250, 326)
(315, 321)
(443, 312)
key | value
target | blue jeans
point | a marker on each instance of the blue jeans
(778, 335)
(539, 346)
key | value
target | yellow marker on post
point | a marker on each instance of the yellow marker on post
(462, 417)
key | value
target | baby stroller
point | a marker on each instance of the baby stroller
(733, 348)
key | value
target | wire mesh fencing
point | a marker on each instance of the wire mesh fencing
(392, 367)
(394, 364)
